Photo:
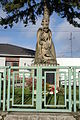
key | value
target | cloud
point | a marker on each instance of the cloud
(62, 37)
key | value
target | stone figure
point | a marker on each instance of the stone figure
(45, 51)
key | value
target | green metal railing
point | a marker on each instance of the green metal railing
(29, 88)
(3, 91)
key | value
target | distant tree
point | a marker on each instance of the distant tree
(29, 10)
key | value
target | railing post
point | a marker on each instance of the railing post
(23, 88)
(70, 104)
(8, 99)
(39, 89)
(0, 90)
(74, 80)
(4, 90)
(79, 88)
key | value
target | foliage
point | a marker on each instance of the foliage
(47, 86)
(28, 10)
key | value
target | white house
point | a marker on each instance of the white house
(11, 55)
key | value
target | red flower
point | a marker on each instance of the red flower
(52, 90)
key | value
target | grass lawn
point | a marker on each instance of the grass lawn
(50, 98)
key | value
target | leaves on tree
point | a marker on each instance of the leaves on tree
(28, 11)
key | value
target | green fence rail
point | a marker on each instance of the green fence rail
(40, 88)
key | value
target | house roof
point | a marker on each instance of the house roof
(13, 50)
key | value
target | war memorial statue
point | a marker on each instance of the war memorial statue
(45, 51)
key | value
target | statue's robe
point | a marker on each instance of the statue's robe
(45, 51)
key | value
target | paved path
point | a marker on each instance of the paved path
(38, 116)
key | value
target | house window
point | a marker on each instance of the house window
(8, 63)
(15, 64)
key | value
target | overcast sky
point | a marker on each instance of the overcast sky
(61, 35)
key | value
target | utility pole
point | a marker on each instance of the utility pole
(71, 42)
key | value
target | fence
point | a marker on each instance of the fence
(40, 88)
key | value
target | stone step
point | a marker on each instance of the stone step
(39, 116)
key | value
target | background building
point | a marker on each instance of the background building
(11, 55)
